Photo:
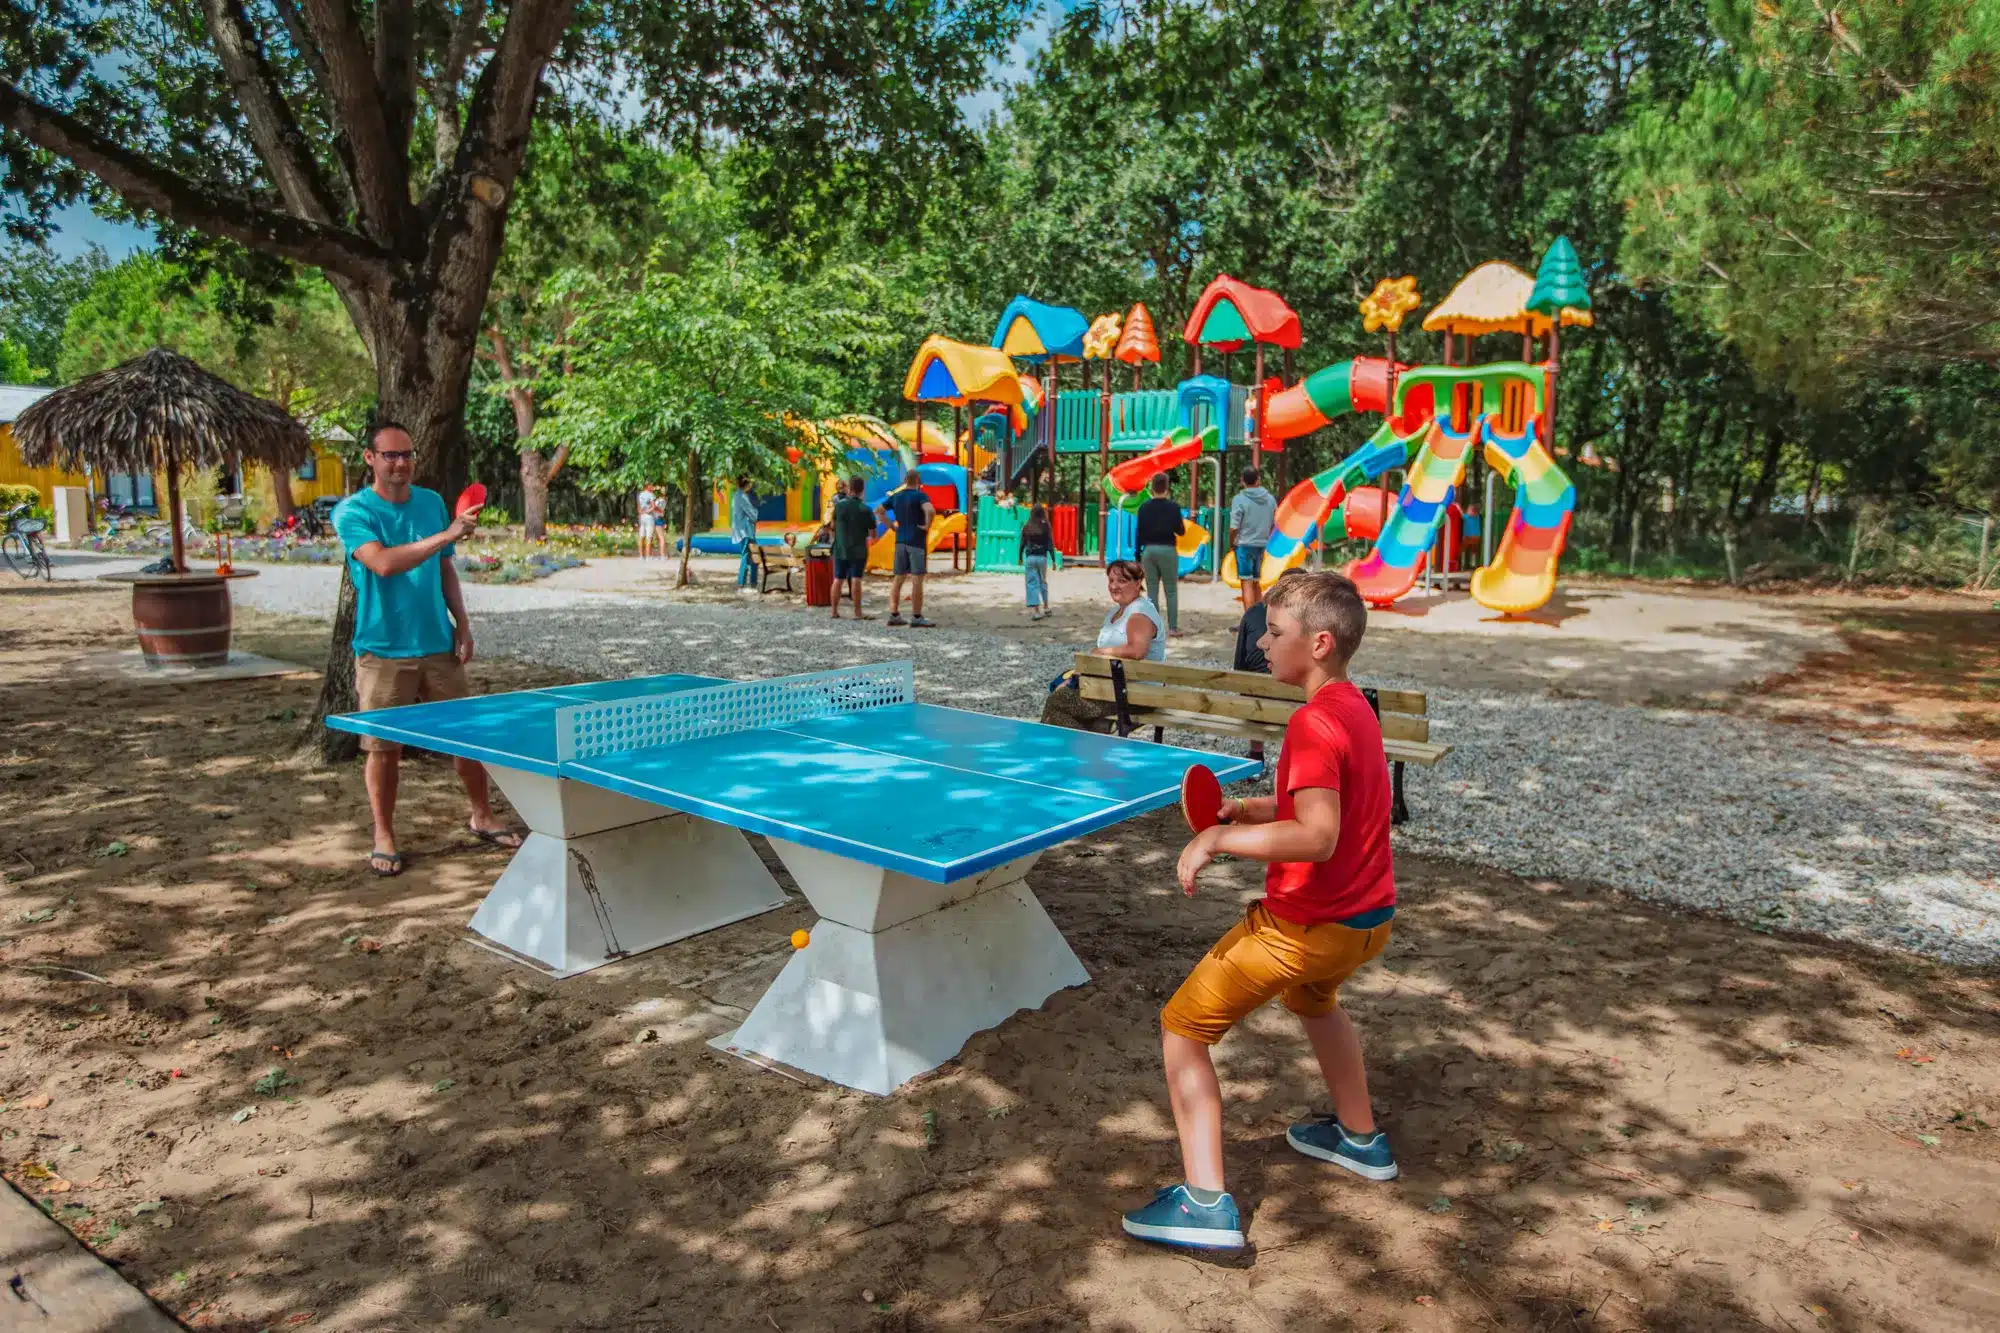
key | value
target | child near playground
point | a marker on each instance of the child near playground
(1329, 895)
(1037, 544)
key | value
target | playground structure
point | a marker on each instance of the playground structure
(1013, 422)
(1437, 422)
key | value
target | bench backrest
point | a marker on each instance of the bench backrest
(1244, 696)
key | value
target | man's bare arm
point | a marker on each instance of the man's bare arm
(389, 561)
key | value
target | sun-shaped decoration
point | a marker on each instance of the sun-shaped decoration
(1103, 336)
(1392, 299)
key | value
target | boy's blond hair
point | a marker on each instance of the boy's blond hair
(1323, 601)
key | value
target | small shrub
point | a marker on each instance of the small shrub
(15, 494)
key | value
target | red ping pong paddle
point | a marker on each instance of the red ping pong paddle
(472, 497)
(1201, 798)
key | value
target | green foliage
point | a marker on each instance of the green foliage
(1825, 198)
(694, 374)
(14, 367)
(37, 291)
(305, 356)
(15, 494)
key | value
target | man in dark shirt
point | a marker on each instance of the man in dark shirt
(853, 527)
(912, 510)
(1160, 528)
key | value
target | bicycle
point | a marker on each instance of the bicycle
(22, 547)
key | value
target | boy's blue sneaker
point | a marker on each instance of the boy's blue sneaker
(1323, 1137)
(1174, 1218)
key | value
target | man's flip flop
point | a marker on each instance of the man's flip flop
(395, 866)
(499, 837)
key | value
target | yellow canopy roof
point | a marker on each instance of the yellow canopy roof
(931, 440)
(1493, 298)
(946, 371)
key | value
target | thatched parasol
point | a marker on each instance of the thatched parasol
(163, 411)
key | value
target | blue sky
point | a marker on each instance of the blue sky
(77, 228)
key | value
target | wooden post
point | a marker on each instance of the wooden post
(961, 449)
(1549, 393)
(174, 519)
(1196, 371)
(1104, 468)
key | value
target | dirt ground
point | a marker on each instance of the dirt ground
(1609, 1117)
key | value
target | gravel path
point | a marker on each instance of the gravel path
(1773, 825)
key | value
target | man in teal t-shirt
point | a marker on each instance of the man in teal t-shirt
(412, 637)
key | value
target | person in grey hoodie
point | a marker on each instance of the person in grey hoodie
(1252, 514)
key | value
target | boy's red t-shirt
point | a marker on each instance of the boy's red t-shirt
(1335, 741)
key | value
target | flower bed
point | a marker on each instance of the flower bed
(503, 561)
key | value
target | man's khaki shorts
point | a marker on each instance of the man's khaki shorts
(1265, 958)
(391, 682)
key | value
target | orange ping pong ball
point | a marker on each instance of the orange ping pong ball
(799, 938)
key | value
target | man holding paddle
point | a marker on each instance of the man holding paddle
(412, 637)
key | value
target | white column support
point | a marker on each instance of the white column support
(900, 972)
(601, 877)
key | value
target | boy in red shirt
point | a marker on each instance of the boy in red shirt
(1329, 893)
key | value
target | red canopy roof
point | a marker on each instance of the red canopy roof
(1264, 314)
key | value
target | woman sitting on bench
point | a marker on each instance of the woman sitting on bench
(1133, 629)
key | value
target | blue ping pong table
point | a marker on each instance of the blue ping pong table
(909, 827)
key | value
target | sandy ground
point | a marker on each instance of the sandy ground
(1609, 1117)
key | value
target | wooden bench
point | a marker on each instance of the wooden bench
(1246, 704)
(773, 561)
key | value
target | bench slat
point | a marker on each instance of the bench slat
(1255, 684)
(1424, 754)
(1270, 712)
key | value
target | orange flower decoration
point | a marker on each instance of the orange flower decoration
(1392, 299)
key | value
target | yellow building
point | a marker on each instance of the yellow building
(322, 474)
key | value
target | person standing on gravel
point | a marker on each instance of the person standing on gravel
(1329, 896)
(1252, 516)
(412, 637)
(743, 529)
(853, 524)
(913, 513)
(1160, 526)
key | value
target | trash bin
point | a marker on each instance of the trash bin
(819, 576)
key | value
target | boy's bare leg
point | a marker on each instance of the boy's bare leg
(1197, 1102)
(896, 595)
(916, 594)
(856, 585)
(1338, 1048)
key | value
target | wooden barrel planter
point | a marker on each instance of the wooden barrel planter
(183, 620)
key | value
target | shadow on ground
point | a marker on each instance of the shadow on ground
(1609, 1117)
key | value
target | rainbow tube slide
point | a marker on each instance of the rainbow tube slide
(1390, 570)
(1523, 573)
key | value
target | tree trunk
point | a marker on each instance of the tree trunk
(336, 693)
(281, 491)
(1767, 475)
(687, 519)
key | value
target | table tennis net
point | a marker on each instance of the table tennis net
(585, 731)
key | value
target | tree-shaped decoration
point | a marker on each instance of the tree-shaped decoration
(1559, 293)
(1137, 343)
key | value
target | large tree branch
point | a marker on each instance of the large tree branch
(273, 128)
(396, 70)
(444, 84)
(381, 172)
(144, 185)
(308, 49)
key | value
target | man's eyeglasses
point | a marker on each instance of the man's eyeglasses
(394, 455)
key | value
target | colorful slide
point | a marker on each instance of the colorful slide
(1125, 486)
(1523, 573)
(1391, 569)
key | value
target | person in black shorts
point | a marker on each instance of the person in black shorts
(853, 527)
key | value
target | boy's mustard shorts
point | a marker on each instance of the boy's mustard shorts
(1264, 958)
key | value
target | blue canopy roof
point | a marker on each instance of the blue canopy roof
(1031, 331)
